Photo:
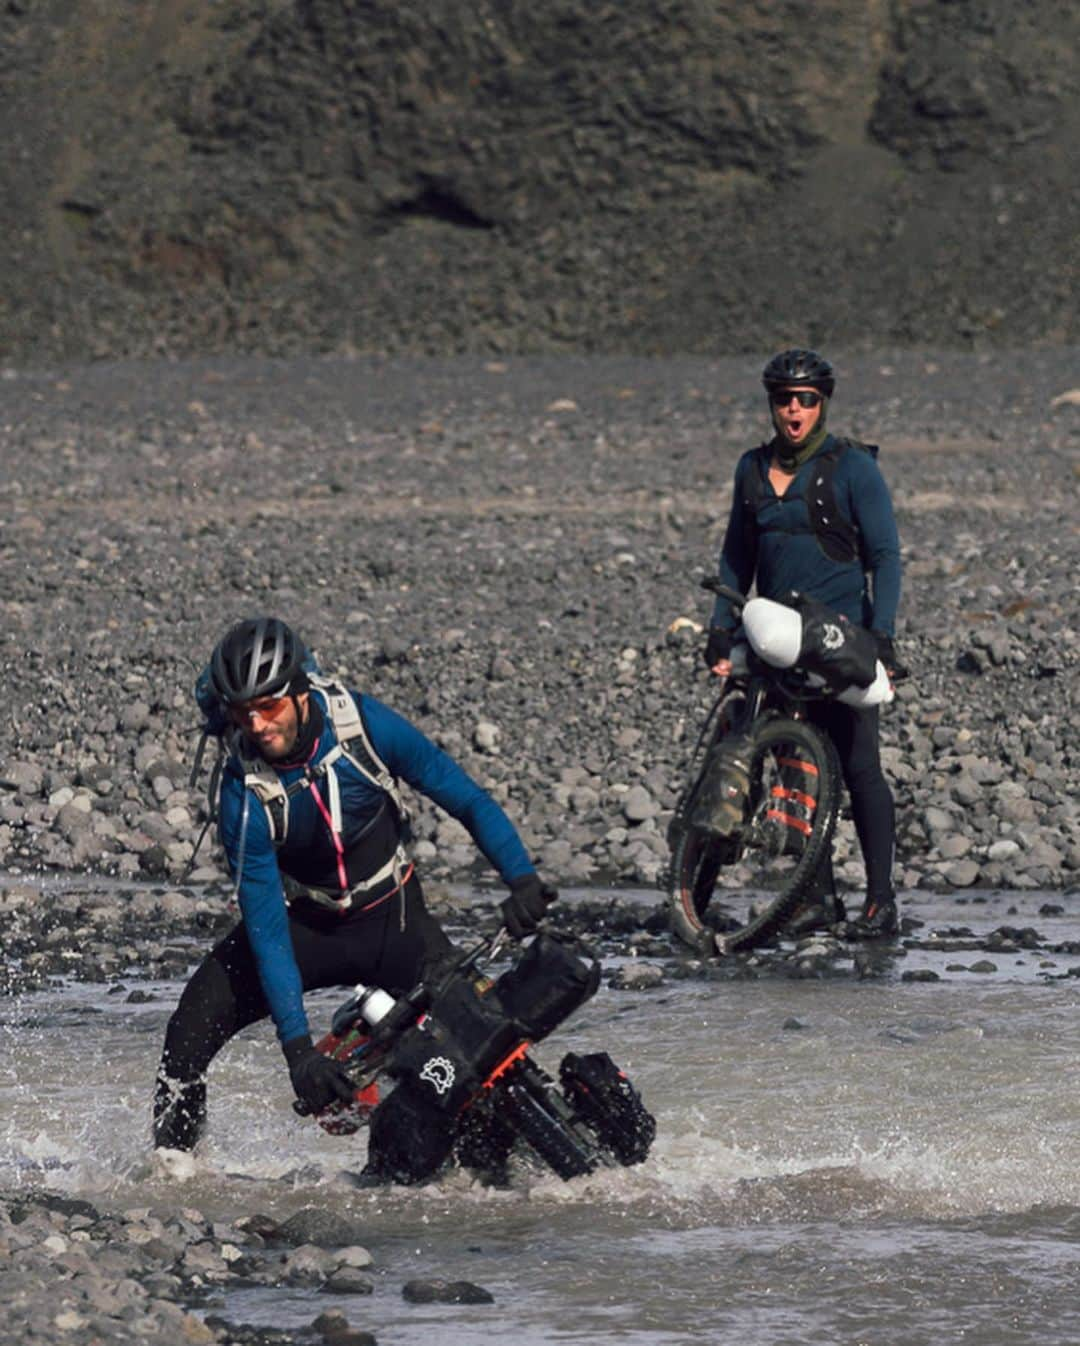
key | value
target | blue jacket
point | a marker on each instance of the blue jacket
(781, 553)
(308, 854)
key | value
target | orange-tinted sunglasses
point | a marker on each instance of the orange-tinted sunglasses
(266, 707)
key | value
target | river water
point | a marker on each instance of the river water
(853, 1161)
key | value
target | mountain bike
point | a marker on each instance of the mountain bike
(756, 818)
(454, 1051)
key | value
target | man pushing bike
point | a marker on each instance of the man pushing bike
(314, 828)
(811, 512)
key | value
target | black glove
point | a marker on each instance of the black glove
(525, 907)
(718, 646)
(317, 1080)
(886, 652)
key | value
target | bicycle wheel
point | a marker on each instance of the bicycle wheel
(759, 877)
(696, 855)
(543, 1119)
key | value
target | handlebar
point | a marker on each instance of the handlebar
(715, 585)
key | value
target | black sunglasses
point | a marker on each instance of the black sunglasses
(780, 397)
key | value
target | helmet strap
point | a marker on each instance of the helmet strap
(309, 727)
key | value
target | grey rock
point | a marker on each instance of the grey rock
(24, 776)
(308, 1265)
(637, 976)
(134, 716)
(638, 804)
(323, 1229)
(954, 846)
(962, 873)
(347, 1281)
(445, 1292)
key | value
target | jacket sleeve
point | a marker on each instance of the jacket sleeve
(414, 758)
(738, 555)
(262, 905)
(871, 509)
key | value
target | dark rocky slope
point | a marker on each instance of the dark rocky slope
(652, 176)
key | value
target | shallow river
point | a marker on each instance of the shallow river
(837, 1161)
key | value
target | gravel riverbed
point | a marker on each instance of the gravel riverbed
(501, 551)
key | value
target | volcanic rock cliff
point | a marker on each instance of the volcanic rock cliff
(649, 176)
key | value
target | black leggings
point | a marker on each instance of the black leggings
(855, 734)
(386, 947)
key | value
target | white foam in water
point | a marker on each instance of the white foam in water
(175, 1165)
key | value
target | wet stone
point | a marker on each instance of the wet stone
(246, 1334)
(334, 1328)
(347, 1281)
(445, 1292)
(637, 976)
(322, 1228)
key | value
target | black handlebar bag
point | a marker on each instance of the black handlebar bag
(836, 649)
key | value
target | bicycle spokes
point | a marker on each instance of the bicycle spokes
(793, 798)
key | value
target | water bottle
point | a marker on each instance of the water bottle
(369, 1004)
(374, 1004)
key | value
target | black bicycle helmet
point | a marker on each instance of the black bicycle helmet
(799, 369)
(260, 656)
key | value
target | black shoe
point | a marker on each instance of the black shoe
(815, 913)
(877, 920)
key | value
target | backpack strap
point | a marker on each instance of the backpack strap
(837, 535)
(267, 787)
(353, 744)
(753, 492)
(834, 532)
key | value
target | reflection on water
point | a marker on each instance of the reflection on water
(837, 1161)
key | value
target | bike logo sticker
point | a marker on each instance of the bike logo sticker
(439, 1073)
(832, 637)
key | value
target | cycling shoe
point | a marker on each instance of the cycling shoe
(817, 913)
(877, 920)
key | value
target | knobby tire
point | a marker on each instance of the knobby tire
(698, 856)
(532, 1116)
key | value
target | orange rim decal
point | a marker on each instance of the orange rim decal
(796, 796)
(796, 764)
(797, 823)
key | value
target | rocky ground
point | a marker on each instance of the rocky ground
(73, 1273)
(500, 551)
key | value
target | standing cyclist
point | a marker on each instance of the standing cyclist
(313, 827)
(812, 512)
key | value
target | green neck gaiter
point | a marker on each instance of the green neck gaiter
(791, 457)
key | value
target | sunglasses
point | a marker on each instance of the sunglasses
(266, 707)
(805, 398)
